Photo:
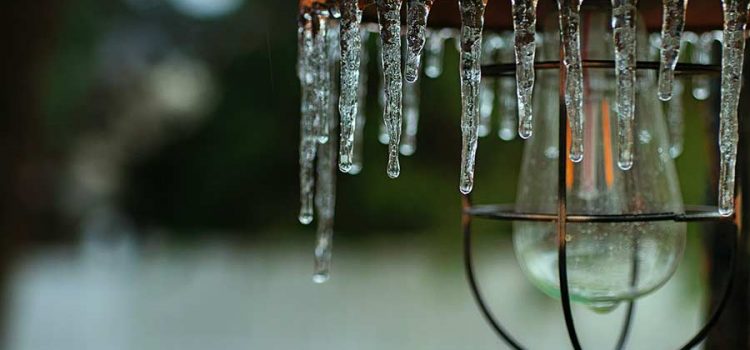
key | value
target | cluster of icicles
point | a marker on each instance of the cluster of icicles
(332, 68)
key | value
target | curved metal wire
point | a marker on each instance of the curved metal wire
(562, 218)
(625, 331)
(479, 298)
(703, 332)
(469, 267)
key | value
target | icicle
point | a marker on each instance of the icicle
(308, 139)
(416, 22)
(334, 57)
(524, 24)
(735, 18)
(325, 187)
(675, 120)
(351, 16)
(361, 110)
(389, 16)
(702, 54)
(472, 21)
(382, 130)
(434, 51)
(671, 32)
(570, 21)
(411, 118)
(325, 202)
(623, 25)
(490, 46)
(321, 68)
(506, 94)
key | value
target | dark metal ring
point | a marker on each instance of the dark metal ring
(508, 69)
(508, 213)
(497, 212)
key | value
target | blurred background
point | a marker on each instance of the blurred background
(149, 198)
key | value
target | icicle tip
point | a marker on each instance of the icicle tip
(321, 277)
(305, 218)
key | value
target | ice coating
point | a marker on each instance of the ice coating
(389, 17)
(524, 25)
(570, 21)
(491, 44)
(675, 120)
(733, 47)
(472, 21)
(351, 16)
(417, 12)
(382, 130)
(411, 118)
(361, 110)
(308, 139)
(506, 94)
(322, 71)
(333, 57)
(623, 32)
(673, 23)
(325, 202)
(434, 51)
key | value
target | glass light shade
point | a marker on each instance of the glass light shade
(607, 262)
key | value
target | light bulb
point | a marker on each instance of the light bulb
(606, 262)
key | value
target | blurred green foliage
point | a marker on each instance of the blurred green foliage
(238, 169)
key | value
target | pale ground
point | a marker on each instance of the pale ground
(222, 295)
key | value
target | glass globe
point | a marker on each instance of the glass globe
(607, 262)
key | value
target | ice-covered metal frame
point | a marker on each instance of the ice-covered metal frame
(507, 213)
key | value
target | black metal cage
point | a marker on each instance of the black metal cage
(561, 218)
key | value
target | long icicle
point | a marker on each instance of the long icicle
(524, 25)
(325, 187)
(351, 16)
(389, 16)
(733, 48)
(624, 37)
(417, 12)
(383, 137)
(673, 24)
(325, 203)
(472, 22)
(308, 138)
(358, 147)
(321, 68)
(570, 22)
